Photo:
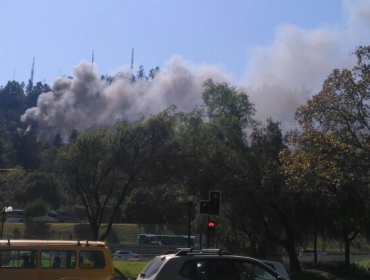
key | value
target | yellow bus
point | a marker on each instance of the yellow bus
(55, 260)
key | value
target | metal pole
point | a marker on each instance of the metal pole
(189, 224)
(2, 223)
(209, 219)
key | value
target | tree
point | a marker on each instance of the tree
(44, 186)
(141, 74)
(334, 147)
(279, 212)
(12, 104)
(220, 153)
(36, 208)
(12, 184)
(154, 72)
(73, 136)
(58, 141)
(104, 164)
(149, 204)
(33, 92)
(25, 150)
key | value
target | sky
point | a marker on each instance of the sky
(278, 51)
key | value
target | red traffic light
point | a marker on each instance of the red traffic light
(211, 224)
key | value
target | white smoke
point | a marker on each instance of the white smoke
(279, 78)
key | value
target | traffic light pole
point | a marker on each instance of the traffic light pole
(209, 219)
(189, 224)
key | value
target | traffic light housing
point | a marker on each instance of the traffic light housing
(211, 206)
(211, 228)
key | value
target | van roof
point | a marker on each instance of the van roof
(25, 242)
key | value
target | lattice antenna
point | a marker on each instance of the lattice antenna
(132, 63)
(32, 69)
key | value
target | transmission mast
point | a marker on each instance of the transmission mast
(32, 69)
(132, 64)
(92, 58)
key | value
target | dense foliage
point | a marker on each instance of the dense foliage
(278, 191)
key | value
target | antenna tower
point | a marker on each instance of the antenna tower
(92, 58)
(132, 63)
(32, 69)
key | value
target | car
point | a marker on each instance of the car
(278, 266)
(47, 218)
(207, 264)
(126, 255)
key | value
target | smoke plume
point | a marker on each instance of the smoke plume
(279, 77)
(86, 101)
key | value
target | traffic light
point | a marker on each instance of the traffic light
(211, 206)
(211, 228)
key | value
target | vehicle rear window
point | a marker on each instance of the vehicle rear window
(92, 259)
(152, 267)
(18, 258)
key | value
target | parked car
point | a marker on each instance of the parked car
(16, 216)
(207, 264)
(126, 255)
(47, 218)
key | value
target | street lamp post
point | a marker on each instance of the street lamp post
(189, 201)
(4, 211)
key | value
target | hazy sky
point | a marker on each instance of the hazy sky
(62, 32)
(280, 51)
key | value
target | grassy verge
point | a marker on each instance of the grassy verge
(129, 269)
(360, 270)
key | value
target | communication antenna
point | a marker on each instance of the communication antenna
(132, 63)
(32, 69)
(92, 58)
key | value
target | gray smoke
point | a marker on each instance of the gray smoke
(86, 101)
(279, 78)
(284, 75)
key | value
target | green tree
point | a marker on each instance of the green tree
(105, 163)
(26, 150)
(36, 208)
(334, 147)
(58, 141)
(12, 104)
(44, 186)
(12, 186)
(33, 92)
(220, 153)
(149, 204)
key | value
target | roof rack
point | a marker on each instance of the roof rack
(25, 242)
(191, 251)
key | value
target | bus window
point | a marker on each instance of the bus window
(92, 259)
(18, 258)
(58, 259)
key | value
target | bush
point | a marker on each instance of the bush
(37, 230)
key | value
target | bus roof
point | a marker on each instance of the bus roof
(25, 242)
